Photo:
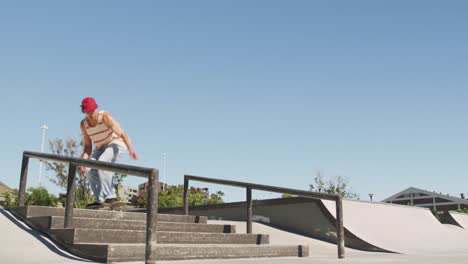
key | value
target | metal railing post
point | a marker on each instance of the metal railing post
(71, 186)
(252, 186)
(150, 173)
(186, 197)
(152, 218)
(249, 211)
(339, 228)
(23, 180)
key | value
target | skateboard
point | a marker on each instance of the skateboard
(115, 206)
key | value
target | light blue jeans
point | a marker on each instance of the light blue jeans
(101, 181)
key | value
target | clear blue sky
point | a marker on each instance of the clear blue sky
(259, 91)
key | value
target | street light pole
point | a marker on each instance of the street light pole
(164, 170)
(44, 128)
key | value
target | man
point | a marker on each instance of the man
(110, 141)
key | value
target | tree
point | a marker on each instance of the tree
(69, 147)
(216, 198)
(171, 197)
(118, 179)
(337, 186)
(34, 196)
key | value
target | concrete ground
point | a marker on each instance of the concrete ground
(324, 253)
(19, 245)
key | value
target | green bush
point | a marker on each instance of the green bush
(10, 199)
(83, 197)
(173, 197)
(40, 196)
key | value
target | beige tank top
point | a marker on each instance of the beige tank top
(102, 135)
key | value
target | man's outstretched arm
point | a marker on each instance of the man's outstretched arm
(117, 129)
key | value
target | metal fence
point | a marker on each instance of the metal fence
(251, 186)
(150, 173)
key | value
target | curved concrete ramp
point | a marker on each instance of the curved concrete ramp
(397, 228)
(308, 217)
(317, 247)
(461, 219)
(20, 244)
(368, 226)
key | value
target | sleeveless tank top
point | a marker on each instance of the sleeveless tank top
(102, 135)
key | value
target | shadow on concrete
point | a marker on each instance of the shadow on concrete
(36, 234)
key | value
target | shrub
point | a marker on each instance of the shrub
(40, 196)
(10, 199)
(173, 197)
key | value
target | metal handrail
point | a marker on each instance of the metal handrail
(151, 173)
(252, 186)
(109, 166)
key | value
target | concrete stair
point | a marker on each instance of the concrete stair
(32, 211)
(87, 235)
(56, 222)
(113, 236)
(134, 252)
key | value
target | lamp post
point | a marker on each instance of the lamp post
(370, 196)
(164, 171)
(44, 128)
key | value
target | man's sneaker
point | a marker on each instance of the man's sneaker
(115, 204)
(95, 205)
(110, 201)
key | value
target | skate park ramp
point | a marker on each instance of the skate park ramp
(21, 244)
(317, 248)
(398, 228)
(461, 219)
(368, 226)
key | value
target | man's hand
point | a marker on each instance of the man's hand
(83, 170)
(133, 155)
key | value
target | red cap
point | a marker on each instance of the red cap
(88, 105)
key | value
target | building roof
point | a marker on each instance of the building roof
(428, 193)
(4, 188)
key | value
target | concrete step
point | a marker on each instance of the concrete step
(136, 252)
(33, 211)
(56, 222)
(87, 235)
